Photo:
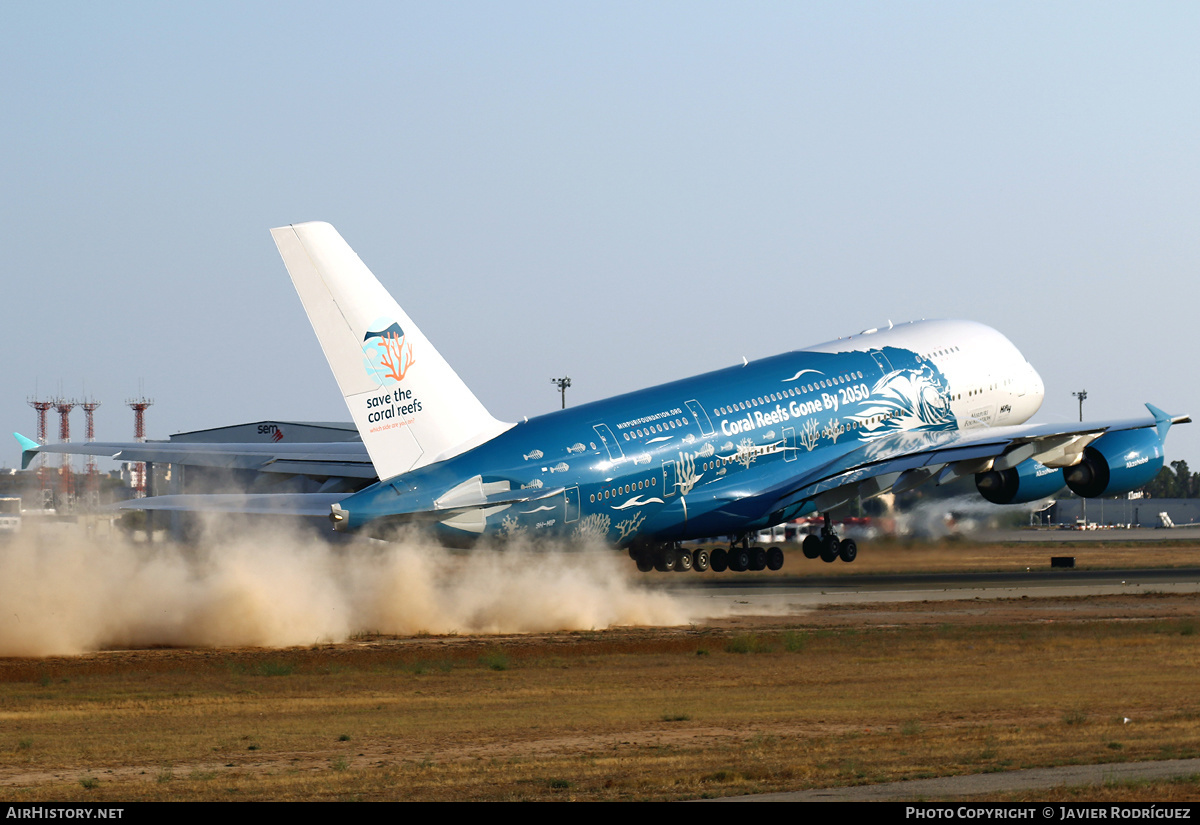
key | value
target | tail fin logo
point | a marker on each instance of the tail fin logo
(388, 355)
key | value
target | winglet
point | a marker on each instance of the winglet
(29, 449)
(1164, 420)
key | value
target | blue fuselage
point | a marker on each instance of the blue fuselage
(714, 454)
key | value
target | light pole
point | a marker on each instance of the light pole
(1082, 395)
(562, 383)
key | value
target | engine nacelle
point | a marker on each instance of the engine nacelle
(1028, 481)
(1116, 463)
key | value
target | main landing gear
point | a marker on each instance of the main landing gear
(827, 547)
(667, 557)
(739, 558)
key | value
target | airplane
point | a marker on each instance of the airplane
(727, 453)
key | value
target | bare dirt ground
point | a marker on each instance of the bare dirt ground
(728, 706)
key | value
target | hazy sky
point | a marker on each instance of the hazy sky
(621, 193)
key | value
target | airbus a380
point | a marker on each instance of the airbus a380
(726, 453)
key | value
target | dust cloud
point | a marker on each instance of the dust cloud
(65, 594)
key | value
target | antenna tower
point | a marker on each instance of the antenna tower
(66, 479)
(92, 485)
(43, 409)
(139, 406)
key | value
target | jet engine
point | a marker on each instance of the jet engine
(1116, 463)
(1028, 481)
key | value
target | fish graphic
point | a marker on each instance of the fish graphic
(536, 484)
(576, 448)
(536, 454)
(560, 467)
(643, 458)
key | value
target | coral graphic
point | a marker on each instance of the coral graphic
(628, 527)
(832, 430)
(596, 525)
(389, 354)
(510, 527)
(810, 435)
(687, 473)
(397, 356)
(745, 454)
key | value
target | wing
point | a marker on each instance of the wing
(256, 504)
(905, 460)
(347, 459)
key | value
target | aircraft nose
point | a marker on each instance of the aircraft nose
(1037, 389)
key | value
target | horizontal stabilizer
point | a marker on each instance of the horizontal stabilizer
(508, 497)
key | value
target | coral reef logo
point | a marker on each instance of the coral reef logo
(387, 352)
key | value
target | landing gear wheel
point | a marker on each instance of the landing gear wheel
(739, 559)
(719, 560)
(758, 558)
(848, 550)
(700, 559)
(645, 563)
(683, 561)
(811, 546)
(664, 561)
(775, 558)
(829, 548)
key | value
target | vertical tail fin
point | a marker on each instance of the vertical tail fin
(409, 405)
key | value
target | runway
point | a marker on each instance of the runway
(797, 594)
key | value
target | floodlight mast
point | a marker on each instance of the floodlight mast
(562, 384)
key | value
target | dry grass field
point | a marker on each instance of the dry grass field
(838, 696)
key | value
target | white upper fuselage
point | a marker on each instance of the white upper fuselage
(991, 383)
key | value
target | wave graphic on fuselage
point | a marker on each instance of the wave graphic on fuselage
(802, 372)
(636, 501)
(906, 400)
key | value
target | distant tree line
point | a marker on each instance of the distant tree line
(1176, 482)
